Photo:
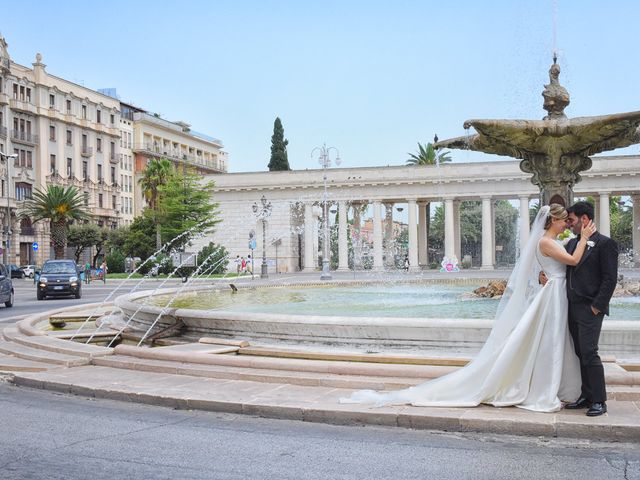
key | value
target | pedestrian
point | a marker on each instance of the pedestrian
(243, 265)
(238, 264)
(103, 267)
(87, 273)
(250, 264)
(406, 263)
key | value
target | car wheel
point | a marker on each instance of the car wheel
(79, 294)
(40, 295)
(31, 275)
(9, 303)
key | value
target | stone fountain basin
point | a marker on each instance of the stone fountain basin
(393, 333)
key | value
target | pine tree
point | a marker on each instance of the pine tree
(279, 160)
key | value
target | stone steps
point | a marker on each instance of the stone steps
(9, 363)
(39, 355)
(54, 345)
(288, 377)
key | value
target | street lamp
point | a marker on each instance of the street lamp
(262, 212)
(7, 257)
(324, 159)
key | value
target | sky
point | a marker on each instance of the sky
(370, 78)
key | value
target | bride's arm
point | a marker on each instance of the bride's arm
(551, 248)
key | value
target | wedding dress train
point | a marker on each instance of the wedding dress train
(527, 361)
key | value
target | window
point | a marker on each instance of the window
(100, 173)
(84, 111)
(52, 101)
(85, 171)
(100, 200)
(113, 175)
(15, 91)
(29, 159)
(52, 133)
(23, 191)
(86, 198)
(99, 144)
(69, 137)
(98, 116)
(113, 202)
(69, 167)
(69, 106)
(112, 150)
(84, 142)
(113, 119)
(52, 163)
(29, 95)
(22, 93)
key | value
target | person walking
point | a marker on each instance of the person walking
(87, 273)
(103, 267)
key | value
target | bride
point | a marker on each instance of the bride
(528, 359)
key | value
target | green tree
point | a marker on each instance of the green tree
(82, 237)
(156, 174)
(60, 205)
(213, 258)
(140, 238)
(184, 202)
(100, 244)
(279, 159)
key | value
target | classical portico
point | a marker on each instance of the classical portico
(297, 195)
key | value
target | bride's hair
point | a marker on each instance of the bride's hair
(556, 211)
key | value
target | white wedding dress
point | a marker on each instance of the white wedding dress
(528, 361)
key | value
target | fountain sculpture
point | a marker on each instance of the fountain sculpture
(555, 149)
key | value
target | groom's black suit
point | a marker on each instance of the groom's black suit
(591, 283)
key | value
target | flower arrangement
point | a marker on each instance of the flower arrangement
(565, 236)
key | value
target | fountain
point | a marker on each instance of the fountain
(555, 149)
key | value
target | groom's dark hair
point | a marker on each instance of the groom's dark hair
(581, 208)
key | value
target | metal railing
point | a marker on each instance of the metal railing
(21, 136)
(86, 151)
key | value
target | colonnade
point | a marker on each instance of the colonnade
(417, 233)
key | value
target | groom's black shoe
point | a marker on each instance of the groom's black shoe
(578, 404)
(597, 409)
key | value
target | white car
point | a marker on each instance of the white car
(29, 270)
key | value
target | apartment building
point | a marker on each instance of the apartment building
(62, 133)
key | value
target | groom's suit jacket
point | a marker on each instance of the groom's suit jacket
(594, 279)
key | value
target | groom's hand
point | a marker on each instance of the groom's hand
(542, 278)
(595, 310)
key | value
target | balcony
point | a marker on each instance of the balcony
(177, 156)
(86, 151)
(4, 98)
(113, 158)
(22, 105)
(24, 137)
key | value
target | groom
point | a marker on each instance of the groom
(590, 285)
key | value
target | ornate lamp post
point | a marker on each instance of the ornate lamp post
(324, 159)
(7, 251)
(263, 212)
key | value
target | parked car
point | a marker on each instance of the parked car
(29, 270)
(6, 287)
(16, 272)
(58, 278)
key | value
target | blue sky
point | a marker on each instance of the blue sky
(371, 78)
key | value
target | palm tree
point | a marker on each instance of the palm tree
(427, 155)
(156, 174)
(60, 206)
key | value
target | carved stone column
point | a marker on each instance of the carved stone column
(524, 221)
(377, 236)
(604, 225)
(449, 229)
(423, 242)
(309, 257)
(456, 230)
(343, 245)
(388, 235)
(488, 247)
(636, 229)
(413, 236)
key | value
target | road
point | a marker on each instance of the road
(25, 301)
(57, 436)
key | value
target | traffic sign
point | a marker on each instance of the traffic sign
(34, 245)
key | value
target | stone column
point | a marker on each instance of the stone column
(604, 225)
(413, 236)
(356, 235)
(388, 234)
(596, 210)
(423, 243)
(377, 236)
(636, 229)
(487, 235)
(343, 245)
(309, 257)
(457, 248)
(449, 229)
(524, 221)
